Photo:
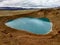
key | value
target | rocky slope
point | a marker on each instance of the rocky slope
(9, 36)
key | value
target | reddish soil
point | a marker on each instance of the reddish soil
(9, 36)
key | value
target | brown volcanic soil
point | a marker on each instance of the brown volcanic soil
(9, 36)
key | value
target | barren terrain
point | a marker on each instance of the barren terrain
(9, 36)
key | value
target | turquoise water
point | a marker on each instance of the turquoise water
(33, 25)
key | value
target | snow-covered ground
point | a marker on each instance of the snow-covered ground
(30, 3)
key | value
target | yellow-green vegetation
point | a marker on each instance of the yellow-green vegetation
(14, 12)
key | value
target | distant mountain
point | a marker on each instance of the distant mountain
(10, 8)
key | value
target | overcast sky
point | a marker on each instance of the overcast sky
(30, 3)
